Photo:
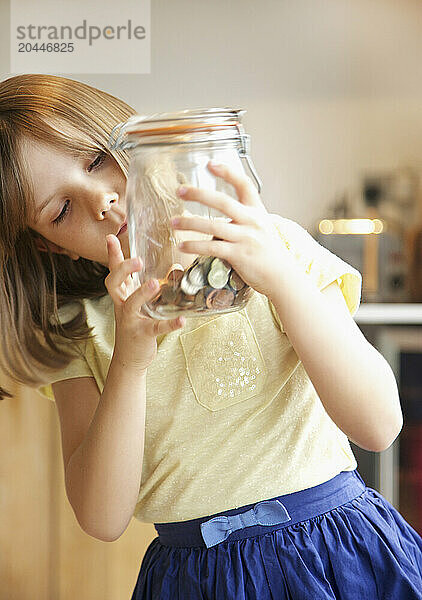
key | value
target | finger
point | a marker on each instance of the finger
(224, 203)
(218, 248)
(144, 293)
(243, 185)
(164, 326)
(119, 282)
(114, 249)
(212, 226)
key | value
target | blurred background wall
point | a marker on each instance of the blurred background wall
(333, 92)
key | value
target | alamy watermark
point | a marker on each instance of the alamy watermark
(75, 37)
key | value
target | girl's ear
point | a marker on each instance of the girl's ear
(43, 244)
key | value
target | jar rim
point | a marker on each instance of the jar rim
(200, 123)
(180, 128)
(192, 114)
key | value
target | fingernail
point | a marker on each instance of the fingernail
(136, 261)
(175, 221)
(182, 190)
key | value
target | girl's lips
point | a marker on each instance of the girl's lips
(122, 229)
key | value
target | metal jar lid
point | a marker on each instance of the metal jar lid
(185, 127)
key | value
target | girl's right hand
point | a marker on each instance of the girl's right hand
(135, 338)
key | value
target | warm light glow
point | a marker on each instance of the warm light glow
(378, 226)
(351, 226)
(326, 226)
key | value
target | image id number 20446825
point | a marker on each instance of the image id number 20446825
(49, 47)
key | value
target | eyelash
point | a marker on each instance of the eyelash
(100, 158)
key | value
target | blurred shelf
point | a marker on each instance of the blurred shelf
(389, 314)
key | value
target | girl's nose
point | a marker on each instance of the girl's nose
(104, 205)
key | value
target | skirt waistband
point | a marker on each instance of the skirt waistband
(251, 520)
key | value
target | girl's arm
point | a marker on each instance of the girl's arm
(354, 382)
(103, 445)
(103, 435)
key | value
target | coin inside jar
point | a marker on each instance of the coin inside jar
(236, 282)
(209, 283)
(220, 299)
(175, 274)
(168, 294)
(188, 287)
(196, 276)
(243, 294)
(218, 274)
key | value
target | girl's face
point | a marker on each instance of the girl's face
(78, 201)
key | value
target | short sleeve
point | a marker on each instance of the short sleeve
(322, 266)
(78, 367)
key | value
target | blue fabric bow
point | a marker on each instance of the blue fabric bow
(268, 512)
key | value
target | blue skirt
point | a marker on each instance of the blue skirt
(336, 540)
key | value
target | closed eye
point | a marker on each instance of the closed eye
(62, 215)
(98, 161)
(94, 165)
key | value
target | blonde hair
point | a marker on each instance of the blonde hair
(35, 284)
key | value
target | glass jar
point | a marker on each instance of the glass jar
(165, 151)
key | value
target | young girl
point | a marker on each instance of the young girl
(229, 432)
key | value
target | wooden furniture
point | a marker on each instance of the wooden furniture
(44, 554)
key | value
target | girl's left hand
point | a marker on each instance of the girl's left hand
(249, 242)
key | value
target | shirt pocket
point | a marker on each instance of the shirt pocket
(224, 362)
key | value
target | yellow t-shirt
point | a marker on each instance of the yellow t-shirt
(232, 417)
